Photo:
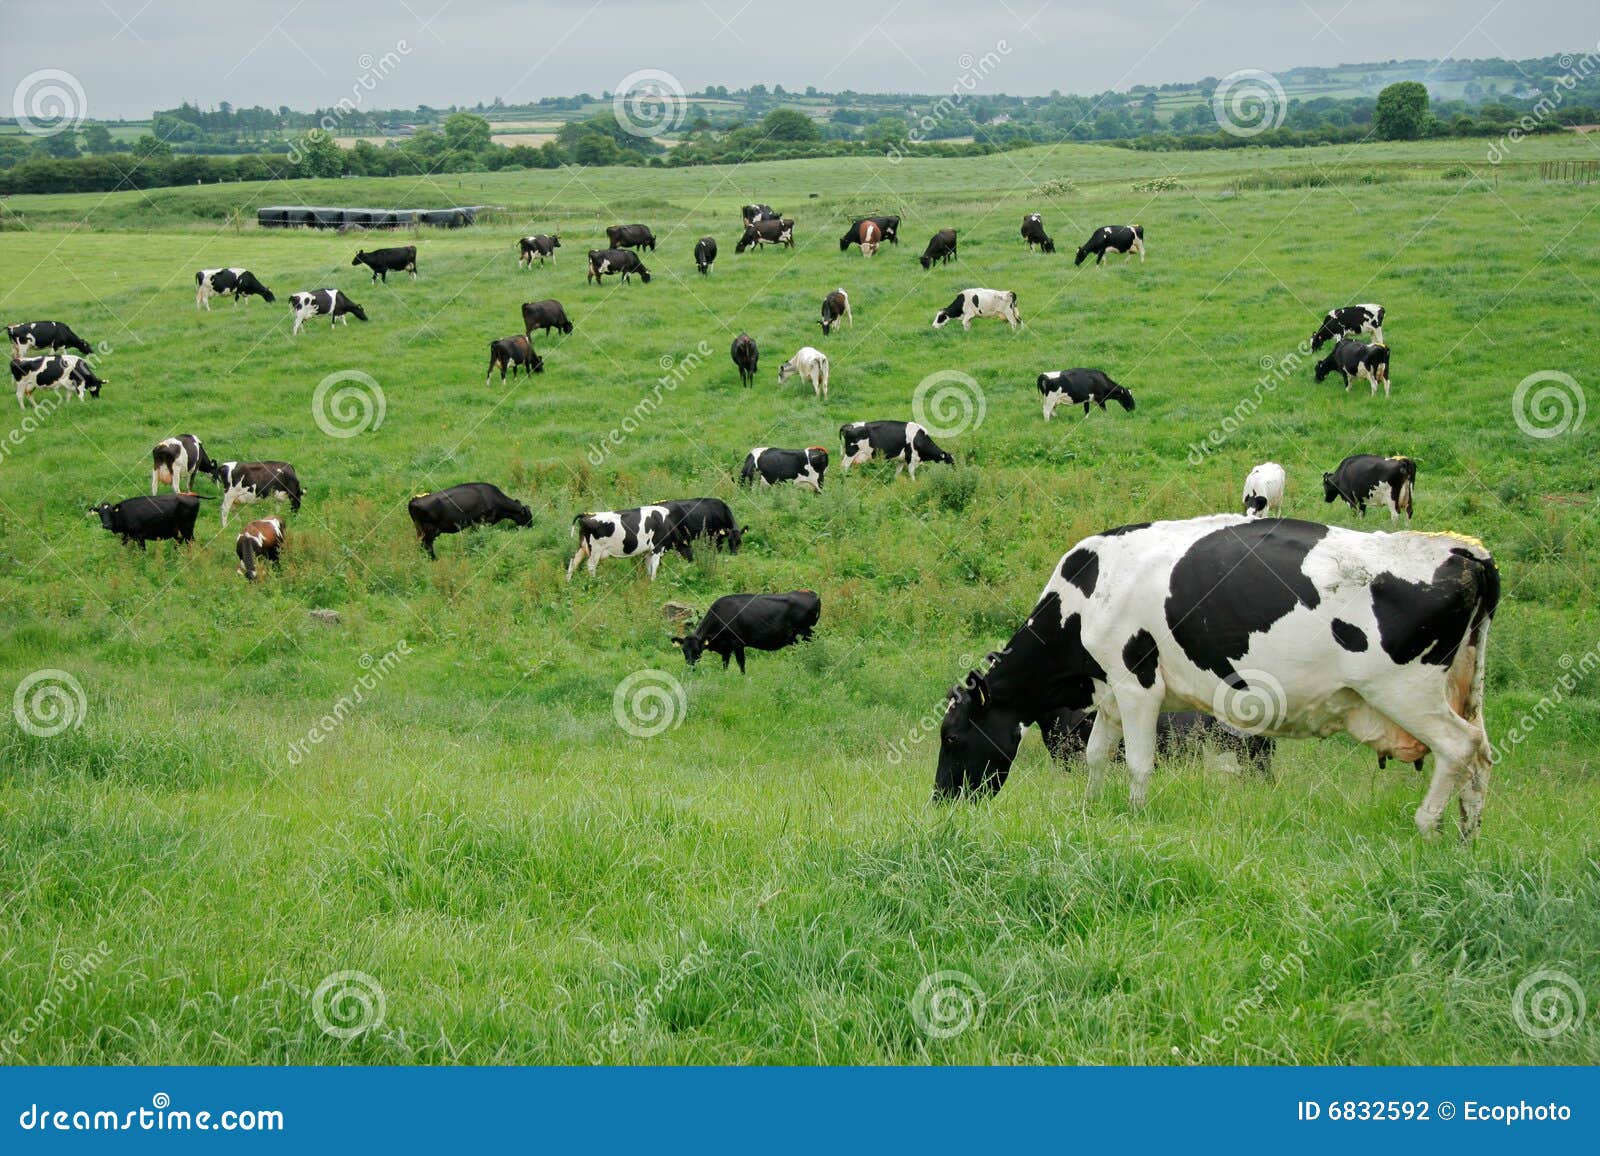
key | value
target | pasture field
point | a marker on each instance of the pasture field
(765, 881)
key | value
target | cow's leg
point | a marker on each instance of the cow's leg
(738, 654)
(227, 504)
(653, 564)
(1140, 709)
(1104, 736)
(583, 549)
(1377, 335)
(155, 481)
(1461, 753)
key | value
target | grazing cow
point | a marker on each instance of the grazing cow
(66, 371)
(329, 303)
(246, 482)
(750, 214)
(642, 531)
(235, 283)
(1081, 387)
(263, 538)
(780, 232)
(1126, 239)
(623, 261)
(1350, 321)
(739, 622)
(692, 519)
(974, 303)
(452, 510)
(1178, 734)
(812, 366)
(746, 356)
(540, 247)
(1033, 233)
(889, 226)
(631, 237)
(705, 252)
(547, 315)
(510, 353)
(382, 262)
(1279, 627)
(1367, 478)
(836, 305)
(175, 461)
(1263, 491)
(44, 335)
(871, 238)
(941, 248)
(802, 467)
(1356, 360)
(905, 442)
(152, 519)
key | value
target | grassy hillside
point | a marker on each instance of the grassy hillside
(764, 881)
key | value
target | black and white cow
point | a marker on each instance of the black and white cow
(153, 519)
(694, 520)
(941, 248)
(329, 303)
(739, 622)
(811, 364)
(1083, 387)
(66, 371)
(973, 303)
(1350, 321)
(623, 261)
(1278, 627)
(631, 237)
(1125, 239)
(262, 538)
(1179, 734)
(747, 357)
(382, 262)
(175, 461)
(452, 510)
(1357, 361)
(235, 283)
(1367, 479)
(547, 315)
(888, 226)
(904, 442)
(540, 247)
(750, 214)
(1033, 233)
(44, 335)
(705, 253)
(1263, 491)
(642, 531)
(802, 467)
(761, 233)
(836, 307)
(246, 482)
(512, 353)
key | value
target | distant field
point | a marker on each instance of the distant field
(766, 882)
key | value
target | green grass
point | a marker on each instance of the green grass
(767, 880)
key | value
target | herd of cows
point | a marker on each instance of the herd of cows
(1223, 629)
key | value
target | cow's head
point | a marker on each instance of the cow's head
(359, 313)
(1119, 394)
(1083, 252)
(107, 513)
(941, 319)
(1330, 491)
(787, 370)
(978, 741)
(692, 645)
(644, 274)
(733, 538)
(555, 241)
(1324, 367)
(538, 363)
(246, 549)
(520, 514)
(360, 256)
(844, 241)
(927, 261)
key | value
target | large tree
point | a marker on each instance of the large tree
(1402, 111)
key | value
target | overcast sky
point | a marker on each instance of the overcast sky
(131, 56)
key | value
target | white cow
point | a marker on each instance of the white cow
(1263, 491)
(812, 366)
(973, 303)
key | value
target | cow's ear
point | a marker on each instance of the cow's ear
(677, 642)
(978, 687)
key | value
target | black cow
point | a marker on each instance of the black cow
(802, 467)
(1350, 321)
(1364, 478)
(469, 504)
(547, 315)
(692, 519)
(1353, 359)
(780, 232)
(836, 306)
(263, 537)
(1081, 387)
(624, 261)
(510, 353)
(1128, 239)
(746, 356)
(235, 283)
(1033, 233)
(174, 461)
(382, 262)
(329, 303)
(750, 214)
(903, 441)
(889, 224)
(739, 622)
(67, 372)
(631, 237)
(246, 482)
(705, 252)
(941, 248)
(42, 335)
(1179, 733)
(541, 246)
(151, 519)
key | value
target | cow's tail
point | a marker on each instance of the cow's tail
(577, 519)
(1138, 231)
(198, 277)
